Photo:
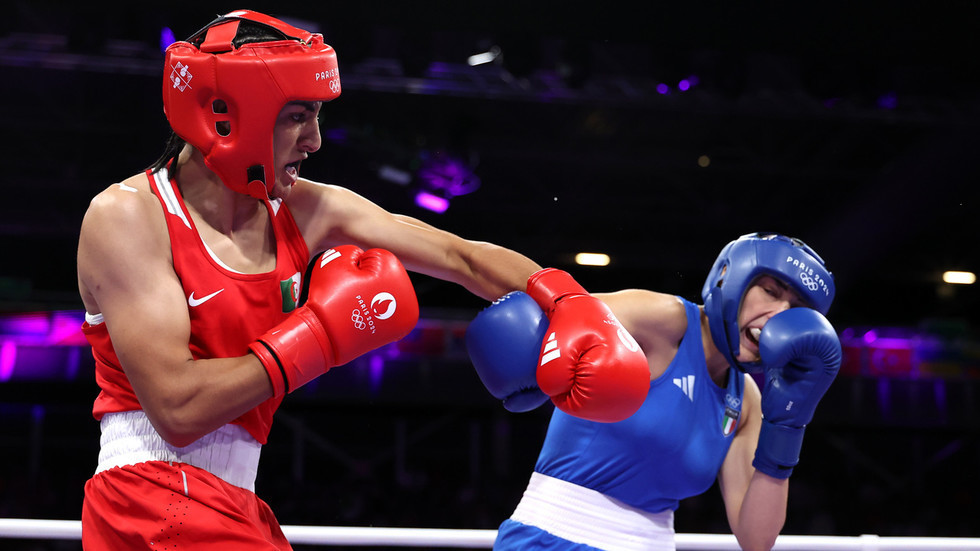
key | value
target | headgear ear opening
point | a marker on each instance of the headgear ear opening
(224, 98)
(740, 263)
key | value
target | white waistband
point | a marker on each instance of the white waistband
(230, 453)
(585, 516)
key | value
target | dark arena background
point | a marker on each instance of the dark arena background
(651, 132)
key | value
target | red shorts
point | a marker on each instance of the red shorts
(174, 506)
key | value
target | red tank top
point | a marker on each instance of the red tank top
(228, 310)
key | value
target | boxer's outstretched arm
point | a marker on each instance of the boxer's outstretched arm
(330, 215)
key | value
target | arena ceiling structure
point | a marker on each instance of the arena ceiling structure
(651, 132)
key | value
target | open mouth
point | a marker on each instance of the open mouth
(292, 170)
(752, 334)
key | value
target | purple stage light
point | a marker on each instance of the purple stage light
(31, 324)
(336, 135)
(166, 38)
(44, 328)
(888, 101)
(448, 175)
(8, 357)
(443, 177)
(376, 368)
(431, 202)
(663, 88)
(41, 345)
(906, 353)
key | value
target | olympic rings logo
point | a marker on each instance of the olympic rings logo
(732, 401)
(358, 320)
(335, 85)
(809, 282)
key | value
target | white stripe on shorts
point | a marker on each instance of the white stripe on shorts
(230, 453)
(582, 515)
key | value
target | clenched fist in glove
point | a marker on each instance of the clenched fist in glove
(801, 355)
(504, 341)
(589, 365)
(352, 302)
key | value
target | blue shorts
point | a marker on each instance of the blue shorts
(521, 537)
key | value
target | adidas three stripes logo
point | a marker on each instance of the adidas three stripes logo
(686, 384)
(550, 351)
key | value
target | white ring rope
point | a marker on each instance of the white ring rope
(483, 539)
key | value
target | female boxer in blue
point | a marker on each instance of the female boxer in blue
(615, 485)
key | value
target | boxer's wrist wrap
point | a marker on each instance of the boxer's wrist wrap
(778, 450)
(550, 285)
(273, 367)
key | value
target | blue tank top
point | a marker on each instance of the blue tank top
(671, 449)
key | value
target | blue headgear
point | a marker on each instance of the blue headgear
(747, 258)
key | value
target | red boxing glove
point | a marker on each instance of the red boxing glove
(353, 301)
(590, 366)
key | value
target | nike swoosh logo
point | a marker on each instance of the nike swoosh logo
(199, 301)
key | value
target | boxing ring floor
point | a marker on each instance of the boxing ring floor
(432, 538)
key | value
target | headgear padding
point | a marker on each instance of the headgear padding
(224, 100)
(745, 259)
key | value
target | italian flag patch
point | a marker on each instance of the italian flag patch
(729, 421)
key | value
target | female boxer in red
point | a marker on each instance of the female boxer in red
(200, 309)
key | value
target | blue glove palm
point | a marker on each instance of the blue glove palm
(801, 355)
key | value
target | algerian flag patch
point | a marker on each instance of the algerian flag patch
(290, 292)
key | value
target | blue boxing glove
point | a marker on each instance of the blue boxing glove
(801, 355)
(503, 342)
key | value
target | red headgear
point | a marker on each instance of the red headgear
(224, 100)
